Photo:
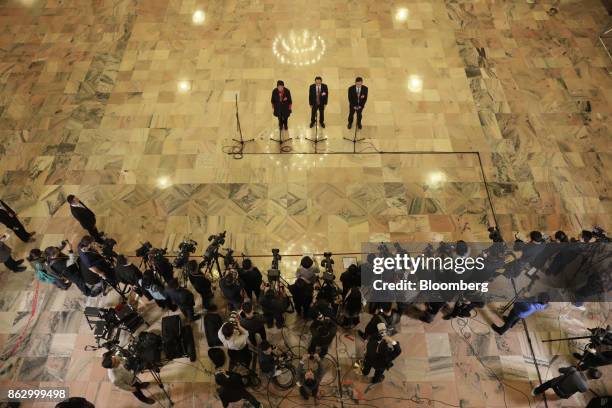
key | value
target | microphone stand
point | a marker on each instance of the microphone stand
(240, 141)
(280, 139)
(316, 139)
(354, 140)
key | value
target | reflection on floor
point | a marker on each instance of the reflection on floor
(130, 105)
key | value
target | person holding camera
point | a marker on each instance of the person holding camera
(43, 272)
(94, 267)
(234, 337)
(232, 289)
(65, 265)
(124, 379)
(522, 310)
(274, 304)
(201, 284)
(384, 314)
(253, 322)
(6, 256)
(267, 359)
(323, 331)
(183, 298)
(126, 272)
(251, 276)
(231, 387)
(381, 350)
(309, 374)
(161, 265)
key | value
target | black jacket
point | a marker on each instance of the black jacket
(129, 274)
(380, 354)
(180, 296)
(84, 216)
(352, 96)
(252, 278)
(570, 382)
(7, 215)
(312, 94)
(201, 284)
(323, 332)
(281, 106)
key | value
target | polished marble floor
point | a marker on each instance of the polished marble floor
(131, 106)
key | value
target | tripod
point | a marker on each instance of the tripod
(240, 141)
(208, 263)
(316, 139)
(354, 140)
(156, 376)
(280, 139)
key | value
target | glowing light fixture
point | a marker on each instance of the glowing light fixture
(198, 17)
(163, 182)
(184, 86)
(298, 49)
(401, 14)
(436, 178)
(415, 83)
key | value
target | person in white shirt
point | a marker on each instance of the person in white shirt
(235, 338)
(124, 379)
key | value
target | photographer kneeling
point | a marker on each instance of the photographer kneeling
(124, 379)
(323, 331)
(234, 337)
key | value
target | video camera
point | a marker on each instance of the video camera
(186, 247)
(274, 271)
(327, 262)
(143, 353)
(228, 259)
(495, 234)
(213, 248)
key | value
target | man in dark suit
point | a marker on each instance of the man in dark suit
(357, 96)
(317, 98)
(9, 218)
(84, 216)
(281, 103)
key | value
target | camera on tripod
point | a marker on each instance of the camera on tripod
(274, 271)
(495, 235)
(188, 246)
(213, 248)
(327, 263)
(228, 259)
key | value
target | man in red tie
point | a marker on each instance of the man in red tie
(317, 98)
(281, 103)
(357, 96)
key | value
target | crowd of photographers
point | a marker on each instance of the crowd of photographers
(256, 304)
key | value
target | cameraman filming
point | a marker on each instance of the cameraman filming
(94, 267)
(183, 298)
(274, 304)
(252, 322)
(201, 284)
(124, 379)
(231, 387)
(251, 276)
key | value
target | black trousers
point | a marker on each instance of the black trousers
(187, 310)
(253, 338)
(243, 356)
(313, 115)
(250, 291)
(510, 321)
(19, 230)
(282, 120)
(302, 306)
(306, 392)
(271, 317)
(314, 345)
(239, 395)
(138, 394)
(93, 232)
(11, 264)
(352, 112)
(378, 372)
(540, 389)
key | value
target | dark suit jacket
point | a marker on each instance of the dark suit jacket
(5, 215)
(281, 107)
(352, 96)
(312, 94)
(84, 216)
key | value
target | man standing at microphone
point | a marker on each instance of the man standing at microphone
(357, 96)
(317, 98)
(281, 103)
